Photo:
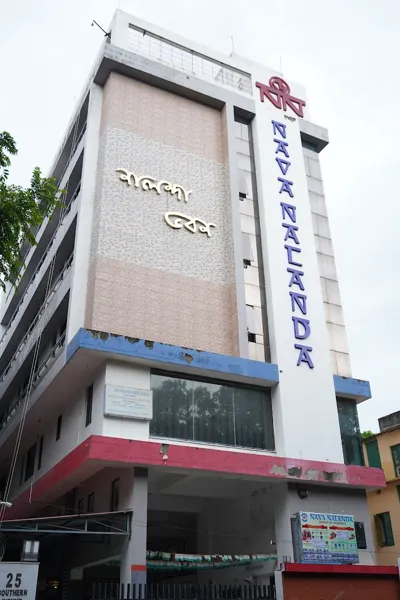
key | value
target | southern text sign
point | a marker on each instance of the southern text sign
(18, 580)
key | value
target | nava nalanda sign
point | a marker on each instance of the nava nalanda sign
(18, 580)
(327, 538)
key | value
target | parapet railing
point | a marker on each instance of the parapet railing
(187, 60)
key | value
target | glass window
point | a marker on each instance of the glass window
(40, 456)
(90, 503)
(211, 412)
(350, 432)
(114, 504)
(30, 462)
(384, 530)
(59, 425)
(374, 458)
(89, 405)
(396, 459)
(81, 506)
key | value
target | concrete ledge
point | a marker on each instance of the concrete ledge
(166, 77)
(97, 452)
(354, 389)
(314, 134)
(170, 357)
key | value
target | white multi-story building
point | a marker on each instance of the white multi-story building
(181, 324)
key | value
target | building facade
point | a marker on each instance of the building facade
(382, 451)
(176, 338)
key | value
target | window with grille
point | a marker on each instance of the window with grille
(384, 531)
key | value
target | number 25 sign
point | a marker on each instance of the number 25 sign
(18, 580)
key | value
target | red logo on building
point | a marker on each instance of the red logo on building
(278, 92)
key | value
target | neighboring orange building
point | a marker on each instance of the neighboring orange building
(383, 451)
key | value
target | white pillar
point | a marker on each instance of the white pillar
(133, 557)
(283, 530)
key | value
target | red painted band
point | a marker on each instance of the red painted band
(138, 568)
(97, 452)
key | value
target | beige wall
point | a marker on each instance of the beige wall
(146, 279)
(387, 499)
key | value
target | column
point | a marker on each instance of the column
(133, 557)
(283, 511)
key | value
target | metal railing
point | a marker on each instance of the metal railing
(40, 263)
(41, 370)
(73, 149)
(38, 317)
(187, 60)
(181, 591)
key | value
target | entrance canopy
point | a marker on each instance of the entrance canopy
(113, 523)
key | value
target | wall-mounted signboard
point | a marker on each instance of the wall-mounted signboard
(327, 538)
(128, 403)
(18, 580)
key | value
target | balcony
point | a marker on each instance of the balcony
(34, 256)
(43, 367)
(42, 315)
(59, 243)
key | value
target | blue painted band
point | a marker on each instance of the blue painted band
(219, 363)
(158, 353)
(357, 389)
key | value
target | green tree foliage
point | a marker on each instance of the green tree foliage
(22, 211)
(367, 434)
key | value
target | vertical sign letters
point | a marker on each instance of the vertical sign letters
(298, 297)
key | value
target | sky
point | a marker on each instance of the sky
(344, 52)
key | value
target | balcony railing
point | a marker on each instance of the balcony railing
(74, 147)
(187, 60)
(42, 259)
(40, 372)
(38, 317)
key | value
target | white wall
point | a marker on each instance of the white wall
(77, 303)
(242, 525)
(73, 432)
(127, 375)
(304, 403)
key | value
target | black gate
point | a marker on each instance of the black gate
(181, 591)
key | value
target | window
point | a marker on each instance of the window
(211, 412)
(30, 462)
(350, 432)
(89, 404)
(374, 459)
(360, 535)
(309, 145)
(59, 424)
(384, 530)
(396, 459)
(22, 471)
(2, 487)
(114, 504)
(81, 506)
(398, 491)
(90, 503)
(40, 454)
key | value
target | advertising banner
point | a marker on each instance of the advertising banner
(327, 538)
